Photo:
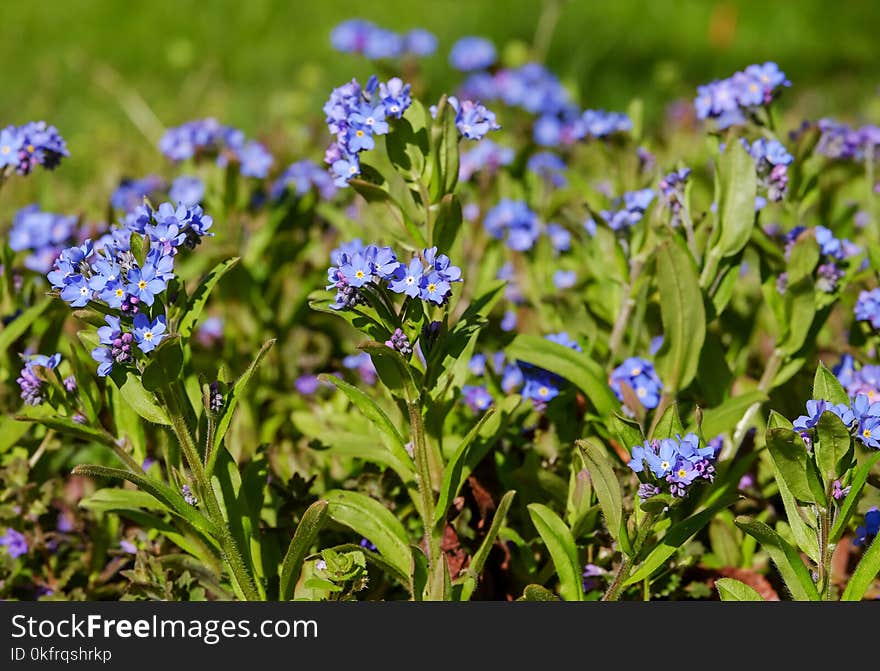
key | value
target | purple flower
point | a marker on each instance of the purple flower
(363, 364)
(399, 341)
(14, 542)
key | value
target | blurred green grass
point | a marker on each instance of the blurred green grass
(111, 74)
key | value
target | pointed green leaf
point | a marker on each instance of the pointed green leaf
(196, 304)
(476, 566)
(562, 548)
(788, 561)
(303, 538)
(827, 387)
(790, 457)
(736, 209)
(607, 488)
(865, 573)
(682, 314)
(833, 445)
(734, 590)
(18, 326)
(669, 425)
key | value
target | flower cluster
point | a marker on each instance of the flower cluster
(835, 253)
(108, 272)
(728, 101)
(24, 147)
(208, 138)
(484, 156)
(639, 375)
(428, 276)
(472, 53)
(539, 385)
(863, 380)
(549, 167)
(840, 142)
(471, 118)
(861, 416)
(675, 464)
(672, 190)
(868, 307)
(355, 115)
(29, 380)
(300, 178)
(535, 89)
(358, 36)
(630, 209)
(513, 221)
(771, 162)
(44, 234)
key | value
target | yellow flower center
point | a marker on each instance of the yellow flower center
(359, 133)
(432, 288)
(641, 392)
(664, 465)
(120, 293)
(682, 472)
(359, 274)
(148, 335)
(866, 433)
(5, 149)
(142, 285)
(543, 391)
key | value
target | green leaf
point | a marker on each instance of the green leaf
(833, 445)
(803, 534)
(674, 538)
(848, 505)
(730, 589)
(159, 490)
(682, 314)
(777, 421)
(303, 538)
(375, 414)
(117, 500)
(18, 326)
(790, 457)
(607, 488)
(375, 522)
(392, 369)
(537, 593)
(459, 467)
(444, 149)
(628, 431)
(575, 367)
(479, 559)
(736, 209)
(233, 397)
(140, 247)
(793, 570)
(863, 576)
(11, 431)
(669, 425)
(726, 416)
(447, 222)
(196, 304)
(827, 387)
(562, 548)
(138, 398)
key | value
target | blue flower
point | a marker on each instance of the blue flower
(395, 97)
(870, 528)
(359, 138)
(303, 176)
(471, 118)
(515, 221)
(371, 117)
(540, 388)
(145, 283)
(664, 459)
(640, 376)
(435, 288)
(868, 307)
(477, 365)
(14, 542)
(76, 291)
(559, 236)
(408, 279)
(11, 140)
(599, 123)
(131, 192)
(344, 169)
(477, 397)
(472, 53)
(484, 156)
(632, 208)
(148, 334)
(188, 190)
(815, 408)
(549, 167)
(420, 42)
(358, 271)
(508, 321)
(511, 378)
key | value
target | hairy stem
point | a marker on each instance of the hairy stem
(426, 494)
(774, 363)
(629, 302)
(242, 581)
(623, 571)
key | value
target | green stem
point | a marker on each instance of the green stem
(872, 200)
(629, 302)
(710, 269)
(426, 493)
(244, 585)
(824, 568)
(623, 571)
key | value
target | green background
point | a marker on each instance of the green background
(110, 74)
